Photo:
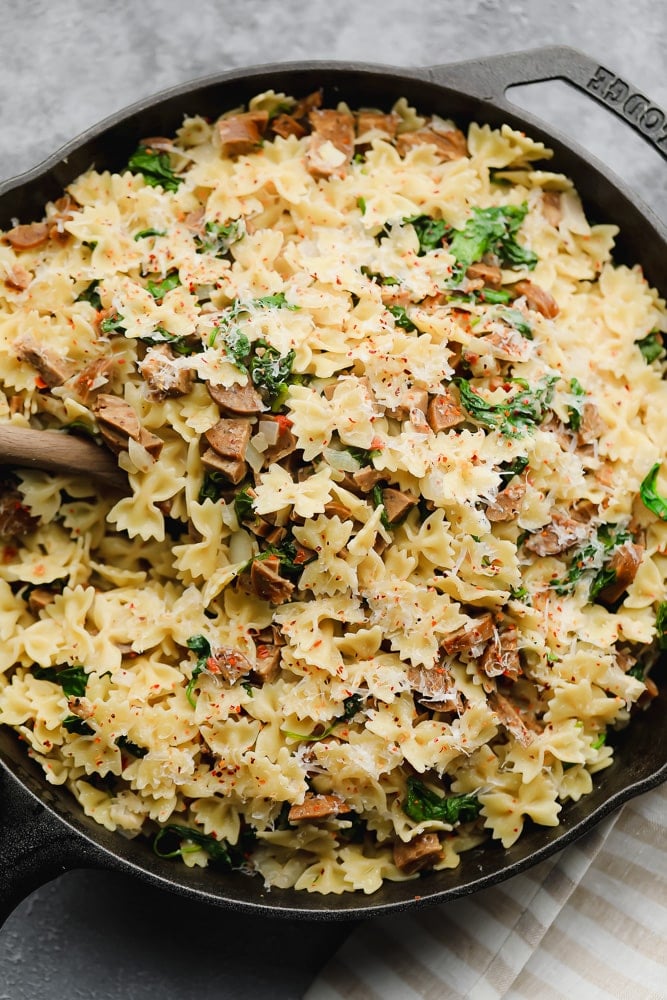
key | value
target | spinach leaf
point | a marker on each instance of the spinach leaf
(378, 501)
(361, 205)
(599, 741)
(159, 289)
(278, 300)
(401, 318)
(149, 232)
(516, 319)
(132, 748)
(495, 296)
(608, 538)
(200, 645)
(79, 427)
(155, 168)
(237, 348)
(513, 417)
(661, 625)
(648, 492)
(422, 804)
(73, 724)
(492, 230)
(221, 852)
(511, 469)
(112, 323)
(430, 232)
(270, 372)
(638, 671)
(362, 455)
(576, 409)
(220, 237)
(651, 346)
(179, 345)
(243, 505)
(381, 279)
(73, 680)
(213, 485)
(91, 295)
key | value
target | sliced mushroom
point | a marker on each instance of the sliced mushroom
(53, 369)
(552, 209)
(15, 517)
(240, 400)
(164, 379)
(18, 277)
(509, 717)
(331, 143)
(501, 656)
(507, 505)
(232, 469)
(591, 425)
(557, 537)
(118, 422)
(449, 145)
(228, 663)
(489, 274)
(397, 504)
(367, 478)
(438, 688)
(444, 412)
(268, 583)
(625, 562)
(538, 298)
(267, 663)
(317, 807)
(468, 636)
(368, 121)
(39, 598)
(242, 133)
(91, 379)
(422, 852)
(230, 437)
(28, 237)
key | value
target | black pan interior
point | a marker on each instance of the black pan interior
(641, 755)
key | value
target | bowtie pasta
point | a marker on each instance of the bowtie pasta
(391, 562)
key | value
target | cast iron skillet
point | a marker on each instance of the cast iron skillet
(43, 832)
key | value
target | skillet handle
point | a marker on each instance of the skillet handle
(35, 846)
(490, 77)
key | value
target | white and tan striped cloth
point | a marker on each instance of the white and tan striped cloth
(589, 923)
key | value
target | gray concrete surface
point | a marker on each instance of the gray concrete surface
(64, 64)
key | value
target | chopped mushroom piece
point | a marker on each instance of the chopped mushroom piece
(118, 422)
(552, 210)
(242, 133)
(591, 426)
(537, 298)
(506, 344)
(15, 517)
(28, 237)
(450, 145)
(267, 663)
(230, 438)
(444, 412)
(366, 478)
(469, 636)
(397, 504)
(422, 852)
(92, 378)
(286, 125)
(557, 537)
(164, 379)
(331, 143)
(412, 399)
(438, 688)
(490, 275)
(228, 663)
(230, 468)
(375, 121)
(625, 562)
(318, 807)
(508, 503)
(339, 510)
(39, 598)
(508, 716)
(54, 370)
(18, 277)
(242, 400)
(501, 656)
(268, 583)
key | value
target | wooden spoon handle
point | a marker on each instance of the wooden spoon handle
(59, 452)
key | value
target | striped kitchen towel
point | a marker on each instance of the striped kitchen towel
(590, 922)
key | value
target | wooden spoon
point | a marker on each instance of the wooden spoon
(59, 452)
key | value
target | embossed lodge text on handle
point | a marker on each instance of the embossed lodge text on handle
(637, 109)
